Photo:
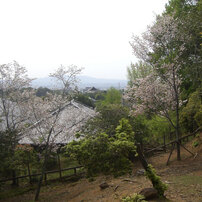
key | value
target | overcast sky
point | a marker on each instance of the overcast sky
(95, 34)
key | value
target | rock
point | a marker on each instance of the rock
(104, 185)
(167, 182)
(149, 193)
(140, 172)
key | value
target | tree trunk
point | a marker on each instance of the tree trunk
(59, 164)
(164, 142)
(15, 181)
(141, 157)
(178, 152)
(29, 173)
(42, 175)
(155, 180)
(47, 152)
(177, 129)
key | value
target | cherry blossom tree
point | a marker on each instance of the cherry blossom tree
(161, 46)
(13, 83)
(45, 123)
(149, 94)
(66, 78)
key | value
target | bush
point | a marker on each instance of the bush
(134, 198)
(195, 144)
(158, 127)
(104, 154)
(190, 116)
(140, 127)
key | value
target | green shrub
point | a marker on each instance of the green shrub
(195, 144)
(191, 115)
(134, 198)
(159, 126)
(104, 154)
(197, 135)
(198, 116)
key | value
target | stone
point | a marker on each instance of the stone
(149, 193)
(104, 185)
(140, 172)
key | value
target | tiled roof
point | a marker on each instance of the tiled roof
(71, 119)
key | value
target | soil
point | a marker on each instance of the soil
(184, 179)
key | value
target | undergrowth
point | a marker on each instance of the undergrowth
(134, 198)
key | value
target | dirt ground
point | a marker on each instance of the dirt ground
(184, 181)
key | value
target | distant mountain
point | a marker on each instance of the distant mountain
(85, 81)
(43, 82)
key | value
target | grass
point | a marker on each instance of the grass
(66, 173)
(7, 190)
(52, 179)
(188, 180)
(15, 191)
(187, 184)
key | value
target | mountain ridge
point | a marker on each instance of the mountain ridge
(84, 81)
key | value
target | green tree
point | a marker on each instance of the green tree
(113, 96)
(190, 116)
(84, 99)
(7, 146)
(159, 127)
(164, 46)
(188, 12)
(137, 71)
(106, 120)
(24, 159)
(141, 129)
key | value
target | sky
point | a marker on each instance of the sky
(94, 34)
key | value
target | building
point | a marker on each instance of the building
(71, 119)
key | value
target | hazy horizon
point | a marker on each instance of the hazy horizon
(83, 82)
(82, 75)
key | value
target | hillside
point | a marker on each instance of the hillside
(184, 181)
